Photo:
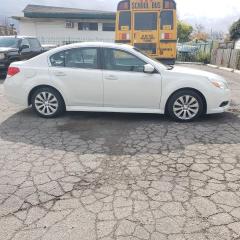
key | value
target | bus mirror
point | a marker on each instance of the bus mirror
(148, 68)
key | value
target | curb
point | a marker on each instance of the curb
(212, 66)
(224, 68)
(227, 69)
(193, 63)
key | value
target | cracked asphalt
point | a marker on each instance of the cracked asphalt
(103, 176)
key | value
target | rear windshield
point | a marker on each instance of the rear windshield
(9, 42)
(145, 21)
(125, 21)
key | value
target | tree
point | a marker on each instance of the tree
(184, 31)
(235, 30)
(199, 33)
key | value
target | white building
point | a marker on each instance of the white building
(56, 25)
(237, 44)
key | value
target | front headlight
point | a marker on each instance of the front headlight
(219, 84)
(2, 56)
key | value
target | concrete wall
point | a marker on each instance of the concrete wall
(50, 31)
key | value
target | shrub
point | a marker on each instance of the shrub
(203, 57)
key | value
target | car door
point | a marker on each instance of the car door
(125, 83)
(35, 47)
(79, 76)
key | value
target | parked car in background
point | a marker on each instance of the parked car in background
(47, 47)
(108, 77)
(17, 48)
(186, 52)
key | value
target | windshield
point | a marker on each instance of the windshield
(8, 42)
(153, 59)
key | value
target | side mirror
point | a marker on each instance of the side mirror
(148, 68)
(24, 47)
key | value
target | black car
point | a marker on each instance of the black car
(15, 48)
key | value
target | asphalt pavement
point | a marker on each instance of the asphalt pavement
(109, 176)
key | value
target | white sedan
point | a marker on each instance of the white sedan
(108, 77)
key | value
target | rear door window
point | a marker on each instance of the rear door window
(76, 58)
(34, 44)
(82, 58)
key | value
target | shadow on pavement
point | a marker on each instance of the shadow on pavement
(114, 132)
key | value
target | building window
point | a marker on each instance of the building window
(108, 27)
(69, 24)
(88, 26)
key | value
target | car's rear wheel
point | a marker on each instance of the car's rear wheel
(47, 102)
(185, 105)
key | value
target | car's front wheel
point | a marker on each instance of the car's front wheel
(185, 105)
(47, 102)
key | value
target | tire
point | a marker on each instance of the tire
(185, 106)
(47, 102)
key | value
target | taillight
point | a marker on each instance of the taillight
(125, 36)
(13, 71)
(166, 36)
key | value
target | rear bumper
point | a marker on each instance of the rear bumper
(15, 96)
(167, 61)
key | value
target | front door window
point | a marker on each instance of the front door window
(118, 60)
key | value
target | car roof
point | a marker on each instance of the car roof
(101, 44)
(92, 44)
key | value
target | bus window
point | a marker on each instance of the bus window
(166, 20)
(169, 4)
(145, 21)
(125, 21)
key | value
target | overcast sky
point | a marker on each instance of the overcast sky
(216, 14)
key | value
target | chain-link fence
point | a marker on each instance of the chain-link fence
(194, 52)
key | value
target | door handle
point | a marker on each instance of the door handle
(111, 77)
(59, 74)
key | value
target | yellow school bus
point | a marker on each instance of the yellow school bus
(149, 25)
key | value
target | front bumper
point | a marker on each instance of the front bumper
(221, 102)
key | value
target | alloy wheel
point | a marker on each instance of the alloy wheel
(186, 107)
(46, 103)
